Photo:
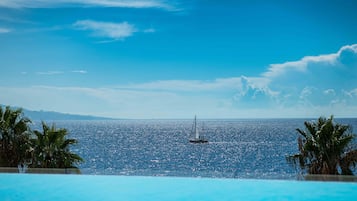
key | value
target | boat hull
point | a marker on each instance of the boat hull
(198, 141)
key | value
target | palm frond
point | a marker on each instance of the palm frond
(322, 147)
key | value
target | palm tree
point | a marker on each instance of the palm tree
(15, 135)
(51, 149)
(325, 148)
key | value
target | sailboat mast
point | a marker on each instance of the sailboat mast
(197, 135)
(196, 138)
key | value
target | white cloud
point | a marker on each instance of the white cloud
(348, 55)
(345, 54)
(254, 92)
(80, 71)
(50, 73)
(307, 91)
(99, 3)
(352, 93)
(56, 72)
(301, 65)
(4, 30)
(111, 30)
(187, 85)
(329, 92)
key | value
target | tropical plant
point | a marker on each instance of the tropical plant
(51, 149)
(15, 145)
(325, 148)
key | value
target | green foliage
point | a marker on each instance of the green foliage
(51, 149)
(14, 137)
(19, 144)
(324, 148)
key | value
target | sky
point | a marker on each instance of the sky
(157, 59)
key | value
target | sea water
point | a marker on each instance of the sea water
(250, 148)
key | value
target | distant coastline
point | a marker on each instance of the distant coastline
(56, 116)
(47, 115)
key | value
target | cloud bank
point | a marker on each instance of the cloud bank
(309, 87)
(317, 82)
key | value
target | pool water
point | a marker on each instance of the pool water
(36, 187)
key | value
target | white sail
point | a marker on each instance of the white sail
(196, 135)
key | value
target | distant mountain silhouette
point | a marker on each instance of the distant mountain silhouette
(48, 115)
(45, 115)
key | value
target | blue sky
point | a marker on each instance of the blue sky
(175, 59)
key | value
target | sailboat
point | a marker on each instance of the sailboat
(197, 138)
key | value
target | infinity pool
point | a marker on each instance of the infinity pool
(35, 187)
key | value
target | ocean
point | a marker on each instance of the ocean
(237, 148)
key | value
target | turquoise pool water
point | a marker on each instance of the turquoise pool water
(33, 187)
